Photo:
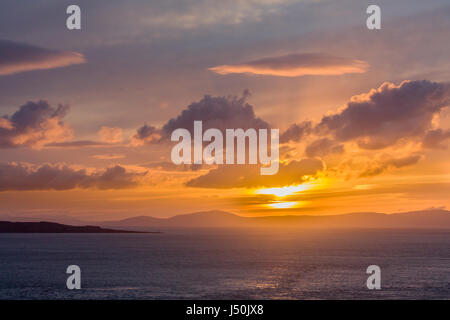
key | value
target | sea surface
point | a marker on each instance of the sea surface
(227, 264)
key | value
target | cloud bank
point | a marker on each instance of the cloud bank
(385, 115)
(400, 116)
(19, 176)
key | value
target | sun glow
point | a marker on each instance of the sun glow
(283, 191)
(290, 190)
(283, 205)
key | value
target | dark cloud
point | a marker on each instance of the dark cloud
(322, 147)
(217, 112)
(383, 116)
(214, 112)
(435, 139)
(146, 134)
(18, 57)
(249, 176)
(296, 132)
(17, 176)
(295, 65)
(377, 168)
(34, 125)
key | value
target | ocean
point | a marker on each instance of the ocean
(228, 264)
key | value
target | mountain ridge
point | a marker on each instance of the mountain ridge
(435, 218)
(431, 218)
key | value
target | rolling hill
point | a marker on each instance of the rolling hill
(434, 219)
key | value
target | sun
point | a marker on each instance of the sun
(279, 193)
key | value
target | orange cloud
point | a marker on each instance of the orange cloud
(110, 135)
(34, 125)
(296, 65)
(108, 156)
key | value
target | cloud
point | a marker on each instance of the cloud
(248, 176)
(170, 166)
(20, 176)
(108, 156)
(34, 125)
(110, 135)
(215, 112)
(296, 132)
(322, 147)
(295, 65)
(377, 168)
(18, 57)
(146, 135)
(434, 139)
(383, 116)
(78, 144)
(195, 14)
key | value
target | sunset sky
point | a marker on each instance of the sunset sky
(86, 115)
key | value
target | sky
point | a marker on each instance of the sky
(86, 115)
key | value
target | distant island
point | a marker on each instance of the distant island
(51, 227)
(423, 219)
